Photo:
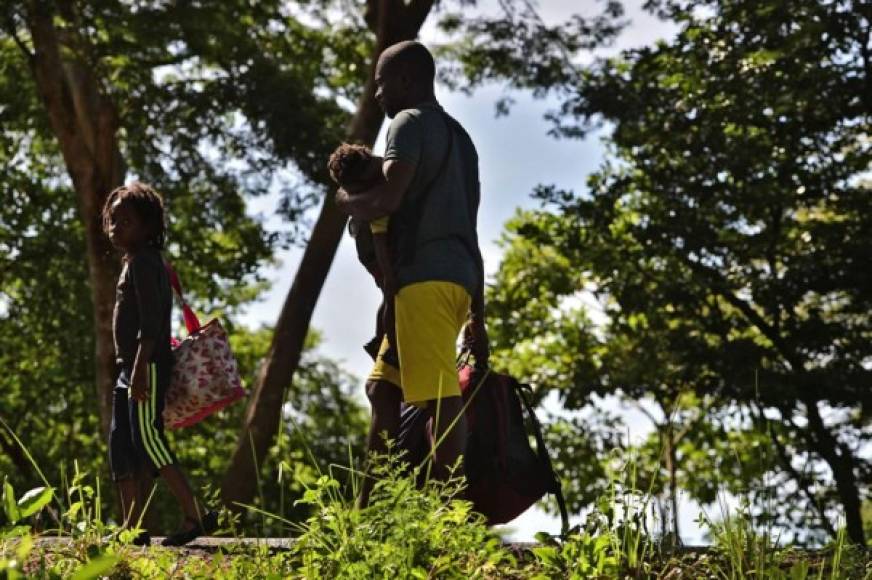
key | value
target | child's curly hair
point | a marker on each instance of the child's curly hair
(348, 163)
(147, 203)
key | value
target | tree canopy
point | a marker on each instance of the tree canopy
(726, 237)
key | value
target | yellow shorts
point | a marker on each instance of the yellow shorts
(430, 316)
(383, 371)
(380, 225)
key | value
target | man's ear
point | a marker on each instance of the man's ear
(405, 80)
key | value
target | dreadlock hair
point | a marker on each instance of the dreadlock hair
(148, 205)
(348, 163)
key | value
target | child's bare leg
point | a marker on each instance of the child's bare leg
(145, 485)
(373, 346)
(385, 399)
(128, 490)
(380, 320)
(391, 356)
(182, 491)
(197, 520)
(390, 323)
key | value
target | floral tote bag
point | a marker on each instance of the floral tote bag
(205, 376)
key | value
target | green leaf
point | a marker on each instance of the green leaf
(799, 571)
(96, 567)
(546, 554)
(14, 532)
(34, 500)
(545, 539)
(761, 58)
(9, 505)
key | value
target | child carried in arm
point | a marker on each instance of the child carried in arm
(356, 169)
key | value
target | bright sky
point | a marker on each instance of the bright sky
(515, 155)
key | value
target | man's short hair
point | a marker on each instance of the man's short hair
(414, 58)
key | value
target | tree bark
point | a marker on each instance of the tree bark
(85, 124)
(392, 21)
(672, 467)
(841, 462)
(837, 455)
(803, 482)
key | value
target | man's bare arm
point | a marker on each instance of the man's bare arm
(475, 335)
(384, 198)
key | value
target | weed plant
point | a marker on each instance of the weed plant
(405, 532)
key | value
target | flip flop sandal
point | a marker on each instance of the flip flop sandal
(204, 526)
(142, 539)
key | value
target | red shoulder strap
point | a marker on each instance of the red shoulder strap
(192, 323)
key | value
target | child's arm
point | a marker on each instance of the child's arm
(383, 198)
(145, 278)
(389, 282)
(383, 258)
(139, 380)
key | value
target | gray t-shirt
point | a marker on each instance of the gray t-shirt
(446, 244)
(143, 306)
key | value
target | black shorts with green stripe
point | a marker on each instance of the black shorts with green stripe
(138, 446)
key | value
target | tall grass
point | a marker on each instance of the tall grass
(405, 532)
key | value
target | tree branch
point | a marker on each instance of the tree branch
(416, 12)
(841, 462)
(48, 73)
(12, 30)
(802, 481)
(716, 283)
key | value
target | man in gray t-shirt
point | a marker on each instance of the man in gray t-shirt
(431, 195)
(445, 194)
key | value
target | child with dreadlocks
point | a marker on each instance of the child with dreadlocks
(133, 219)
(356, 169)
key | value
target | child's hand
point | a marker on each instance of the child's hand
(139, 380)
(139, 385)
(341, 200)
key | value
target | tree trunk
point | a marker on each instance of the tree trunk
(672, 467)
(392, 21)
(85, 124)
(841, 462)
(838, 456)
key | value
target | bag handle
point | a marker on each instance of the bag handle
(463, 359)
(557, 490)
(192, 323)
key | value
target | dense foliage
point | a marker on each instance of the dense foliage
(725, 241)
(714, 273)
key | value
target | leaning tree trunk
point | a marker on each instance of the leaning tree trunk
(85, 124)
(842, 463)
(392, 21)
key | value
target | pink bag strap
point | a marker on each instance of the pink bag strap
(192, 323)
